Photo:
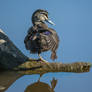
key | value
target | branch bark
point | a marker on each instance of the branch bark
(12, 58)
(34, 67)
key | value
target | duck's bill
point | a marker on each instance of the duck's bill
(49, 21)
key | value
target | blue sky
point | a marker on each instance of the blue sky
(73, 19)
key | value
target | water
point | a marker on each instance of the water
(73, 19)
(50, 82)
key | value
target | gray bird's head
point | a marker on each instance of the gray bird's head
(40, 16)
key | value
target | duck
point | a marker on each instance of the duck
(41, 38)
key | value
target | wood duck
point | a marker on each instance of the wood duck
(40, 37)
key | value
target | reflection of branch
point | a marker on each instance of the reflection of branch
(7, 78)
(12, 58)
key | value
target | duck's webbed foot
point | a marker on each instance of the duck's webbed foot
(41, 59)
(44, 61)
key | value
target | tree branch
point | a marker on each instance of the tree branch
(34, 67)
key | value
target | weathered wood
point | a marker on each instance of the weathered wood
(10, 55)
(12, 58)
(34, 67)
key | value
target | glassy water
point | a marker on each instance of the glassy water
(50, 82)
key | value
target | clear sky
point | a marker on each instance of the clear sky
(73, 19)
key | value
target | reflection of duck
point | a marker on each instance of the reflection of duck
(41, 87)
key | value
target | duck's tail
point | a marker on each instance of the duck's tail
(53, 56)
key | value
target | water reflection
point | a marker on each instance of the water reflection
(41, 86)
(7, 78)
(47, 83)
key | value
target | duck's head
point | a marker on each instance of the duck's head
(41, 16)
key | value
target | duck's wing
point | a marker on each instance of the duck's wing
(55, 42)
(49, 41)
(51, 37)
(55, 37)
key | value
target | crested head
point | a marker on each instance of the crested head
(40, 16)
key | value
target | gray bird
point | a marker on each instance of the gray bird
(40, 37)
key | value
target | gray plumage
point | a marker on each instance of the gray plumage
(40, 37)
